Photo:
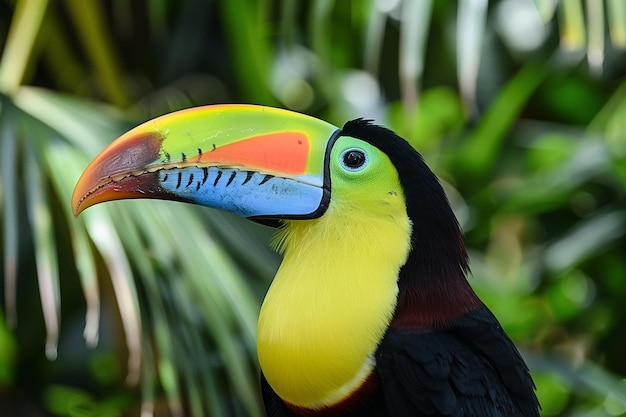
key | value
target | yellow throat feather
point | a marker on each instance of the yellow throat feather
(335, 292)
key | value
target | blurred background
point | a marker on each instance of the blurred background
(149, 308)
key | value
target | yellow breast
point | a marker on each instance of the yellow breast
(330, 303)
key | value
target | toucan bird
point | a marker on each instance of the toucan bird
(370, 312)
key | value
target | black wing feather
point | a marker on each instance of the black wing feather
(274, 406)
(469, 369)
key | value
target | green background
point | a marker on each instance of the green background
(518, 105)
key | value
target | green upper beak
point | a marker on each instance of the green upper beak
(257, 162)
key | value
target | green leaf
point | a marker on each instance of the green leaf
(87, 19)
(19, 44)
(617, 22)
(481, 148)
(587, 238)
(41, 224)
(249, 49)
(9, 198)
(414, 25)
(572, 24)
(469, 42)
(8, 354)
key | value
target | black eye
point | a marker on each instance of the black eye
(353, 159)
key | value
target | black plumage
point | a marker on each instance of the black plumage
(445, 354)
(470, 369)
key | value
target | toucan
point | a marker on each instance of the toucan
(370, 312)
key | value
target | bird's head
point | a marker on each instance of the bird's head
(276, 166)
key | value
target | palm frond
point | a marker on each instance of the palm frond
(168, 245)
(530, 145)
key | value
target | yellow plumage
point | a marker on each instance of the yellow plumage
(335, 293)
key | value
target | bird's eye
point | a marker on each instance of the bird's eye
(353, 159)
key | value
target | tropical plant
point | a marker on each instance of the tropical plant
(520, 108)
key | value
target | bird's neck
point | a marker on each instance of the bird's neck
(431, 308)
(434, 290)
(330, 304)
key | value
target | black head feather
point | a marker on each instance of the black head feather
(435, 295)
(434, 274)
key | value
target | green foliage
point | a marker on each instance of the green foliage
(151, 306)
(7, 355)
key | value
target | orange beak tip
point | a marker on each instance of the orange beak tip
(116, 173)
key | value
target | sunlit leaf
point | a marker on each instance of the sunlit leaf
(616, 13)
(572, 26)
(374, 36)
(546, 8)
(595, 45)
(586, 239)
(41, 224)
(415, 22)
(19, 43)
(470, 31)
(102, 233)
(60, 154)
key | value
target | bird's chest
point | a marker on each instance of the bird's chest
(330, 304)
(317, 334)
(367, 401)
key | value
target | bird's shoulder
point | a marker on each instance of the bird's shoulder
(468, 368)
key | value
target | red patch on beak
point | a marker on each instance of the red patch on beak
(284, 152)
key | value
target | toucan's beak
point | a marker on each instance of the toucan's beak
(257, 162)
